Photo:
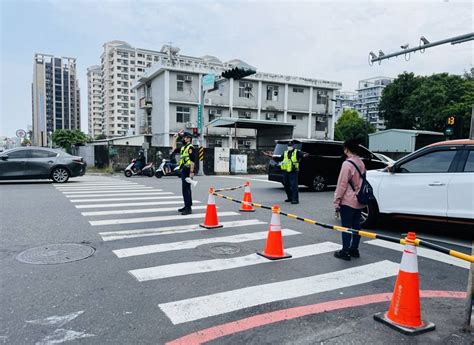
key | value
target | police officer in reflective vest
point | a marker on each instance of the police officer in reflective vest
(186, 164)
(290, 165)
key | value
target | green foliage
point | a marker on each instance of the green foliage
(100, 137)
(25, 142)
(66, 138)
(414, 102)
(351, 126)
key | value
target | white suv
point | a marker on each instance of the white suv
(433, 183)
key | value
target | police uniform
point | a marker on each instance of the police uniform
(290, 166)
(187, 155)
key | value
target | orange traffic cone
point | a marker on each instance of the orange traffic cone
(274, 245)
(210, 220)
(404, 314)
(247, 199)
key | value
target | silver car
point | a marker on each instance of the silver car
(40, 163)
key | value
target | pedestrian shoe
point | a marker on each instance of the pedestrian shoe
(295, 202)
(187, 211)
(343, 255)
(354, 253)
(288, 200)
(181, 209)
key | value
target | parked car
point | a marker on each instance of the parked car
(40, 163)
(433, 183)
(321, 168)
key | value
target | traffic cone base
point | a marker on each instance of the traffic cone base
(211, 226)
(425, 327)
(269, 257)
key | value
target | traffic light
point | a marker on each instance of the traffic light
(241, 70)
(453, 127)
(451, 121)
(195, 132)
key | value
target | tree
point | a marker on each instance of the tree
(351, 126)
(66, 138)
(414, 102)
(100, 137)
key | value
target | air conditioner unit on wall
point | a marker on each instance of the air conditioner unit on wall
(212, 111)
(248, 114)
(320, 119)
(188, 78)
(247, 143)
(189, 125)
(207, 101)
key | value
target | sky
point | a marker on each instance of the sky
(314, 39)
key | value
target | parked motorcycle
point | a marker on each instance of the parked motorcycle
(148, 170)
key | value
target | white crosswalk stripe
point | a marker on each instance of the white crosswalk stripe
(141, 210)
(124, 199)
(423, 252)
(166, 247)
(224, 302)
(133, 204)
(150, 192)
(93, 184)
(111, 192)
(155, 219)
(166, 230)
(195, 267)
(72, 189)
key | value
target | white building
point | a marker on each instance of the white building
(94, 101)
(169, 94)
(55, 93)
(344, 100)
(369, 95)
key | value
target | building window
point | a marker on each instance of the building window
(244, 114)
(322, 96)
(320, 123)
(214, 113)
(271, 117)
(181, 79)
(272, 93)
(296, 117)
(214, 142)
(183, 114)
(245, 89)
(244, 143)
(298, 90)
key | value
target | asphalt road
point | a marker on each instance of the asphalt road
(155, 277)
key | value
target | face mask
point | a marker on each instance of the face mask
(290, 148)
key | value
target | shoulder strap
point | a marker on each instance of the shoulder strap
(358, 170)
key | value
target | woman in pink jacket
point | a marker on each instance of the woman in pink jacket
(345, 200)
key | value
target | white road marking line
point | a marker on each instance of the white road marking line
(132, 204)
(220, 303)
(155, 219)
(195, 267)
(248, 179)
(122, 234)
(166, 247)
(112, 191)
(141, 210)
(89, 184)
(123, 199)
(150, 192)
(426, 253)
(72, 189)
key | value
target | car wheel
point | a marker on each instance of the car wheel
(60, 175)
(370, 215)
(127, 173)
(318, 183)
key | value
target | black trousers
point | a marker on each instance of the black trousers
(290, 181)
(186, 188)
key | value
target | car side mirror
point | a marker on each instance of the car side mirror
(4, 157)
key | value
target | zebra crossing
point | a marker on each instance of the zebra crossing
(115, 207)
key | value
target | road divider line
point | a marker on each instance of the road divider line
(123, 234)
(167, 247)
(154, 219)
(112, 192)
(221, 303)
(426, 253)
(120, 194)
(141, 210)
(133, 204)
(124, 199)
(196, 267)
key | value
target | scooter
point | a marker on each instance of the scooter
(168, 167)
(148, 170)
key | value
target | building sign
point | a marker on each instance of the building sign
(208, 82)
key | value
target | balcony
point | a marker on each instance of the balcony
(145, 103)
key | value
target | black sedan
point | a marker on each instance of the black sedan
(40, 163)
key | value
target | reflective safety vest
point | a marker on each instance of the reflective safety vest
(184, 160)
(290, 164)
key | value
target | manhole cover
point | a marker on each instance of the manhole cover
(52, 254)
(224, 249)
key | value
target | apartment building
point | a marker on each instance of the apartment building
(344, 100)
(94, 101)
(369, 94)
(169, 93)
(55, 96)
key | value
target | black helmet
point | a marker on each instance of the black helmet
(187, 134)
(291, 143)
